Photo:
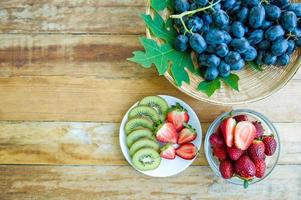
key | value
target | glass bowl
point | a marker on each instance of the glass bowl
(271, 161)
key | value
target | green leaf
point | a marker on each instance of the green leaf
(232, 81)
(209, 87)
(163, 56)
(159, 28)
(255, 66)
(159, 5)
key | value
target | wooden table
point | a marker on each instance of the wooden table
(65, 85)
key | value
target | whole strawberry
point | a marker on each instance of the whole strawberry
(260, 166)
(220, 153)
(226, 169)
(245, 168)
(216, 140)
(270, 145)
(178, 116)
(256, 150)
(259, 129)
(234, 153)
(240, 118)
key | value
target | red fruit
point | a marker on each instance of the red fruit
(240, 118)
(178, 116)
(234, 153)
(227, 169)
(245, 168)
(186, 151)
(187, 134)
(244, 134)
(270, 145)
(220, 153)
(168, 152)
(166, 132)
(227, 128)
(260, 166)
(259, 129)
(216, 140)
(256, 150)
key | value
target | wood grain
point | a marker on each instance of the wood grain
(101, 182)
(71, 16)
(96, 143)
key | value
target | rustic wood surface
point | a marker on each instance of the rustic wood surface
(65, 85)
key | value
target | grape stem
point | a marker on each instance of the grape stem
(190, 13)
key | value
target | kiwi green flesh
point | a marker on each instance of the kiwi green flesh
(138, 134)
(145, 111)
(143, 143)
(146, 159)
(158, 103)
(138, 123)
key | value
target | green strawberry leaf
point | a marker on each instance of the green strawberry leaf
(209, 87)
(159, 28)
(255, 66)
(232, 81)
(163, 56)
(159, 5)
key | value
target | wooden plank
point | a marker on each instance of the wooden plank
(57, 16)
(96, 143)
(100, 182)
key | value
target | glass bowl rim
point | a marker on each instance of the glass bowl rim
(217, 121)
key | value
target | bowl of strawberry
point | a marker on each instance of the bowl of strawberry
(242, 147)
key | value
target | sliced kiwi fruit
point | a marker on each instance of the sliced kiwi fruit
(138, 123)
(138, 134)
(158, 103)
(145, 111)
(146, 159)
(143, 143)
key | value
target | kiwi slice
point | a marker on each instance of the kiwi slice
(138, 134)
(158, 103)
(138, 123)
(143, 143)
(145, 111)
(146, 159)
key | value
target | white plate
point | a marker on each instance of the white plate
(166, 167)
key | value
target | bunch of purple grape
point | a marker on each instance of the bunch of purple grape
(229, 33)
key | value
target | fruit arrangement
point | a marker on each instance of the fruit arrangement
(224, 36)
(242, 147)
(155, 131)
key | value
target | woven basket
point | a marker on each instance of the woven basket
(253, 85)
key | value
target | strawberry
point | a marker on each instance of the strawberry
(216, 140)
(234, 153)
(178, 116)
(187, 134)
(240, 118)
(168, 152)
(256, 150)
(270, 145)
(227, 128)
(260, 166)
(226, 169)
(166, 132)
(259, 129)
(244, 134)
(187, 151)
(245, 168)
(220, 153)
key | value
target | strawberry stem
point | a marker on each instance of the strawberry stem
(246, 184)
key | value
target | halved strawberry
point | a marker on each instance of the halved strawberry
(244, 134)
(187, 134)
(166, 132)
(178, 116)
(168, 152)
(187, 151)
(227, 127)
